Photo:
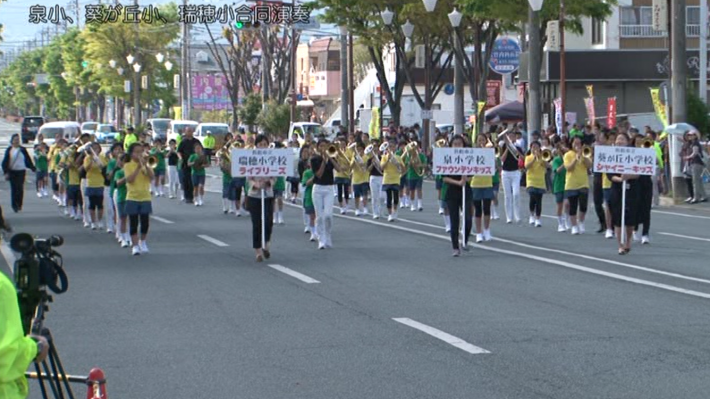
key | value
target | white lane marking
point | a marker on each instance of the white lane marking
(213, 240)
(688, 237)
(446, 337)
(295, 274)
(681, 214)
(588, 257)
(162, 220)
(9, 256)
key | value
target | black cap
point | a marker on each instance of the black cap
(130, 128)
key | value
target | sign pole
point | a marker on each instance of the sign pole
(623, 211)
(263, 220)
(463, 207)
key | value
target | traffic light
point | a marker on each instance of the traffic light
(239, 25)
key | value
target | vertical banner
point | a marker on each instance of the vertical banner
(558, 115)
(375, 123)
(590, 90)
(589, 105)
(658, 106)
(178, 113)
(474, 124)
(659, 15)
(611, 112)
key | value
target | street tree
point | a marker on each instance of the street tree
(275, 119)
(249, 110)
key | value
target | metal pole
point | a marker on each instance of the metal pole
(703, 76)
(427, 93)
(534, 52)
(344, 107)
(563, 83)
(183, 69)
(458, 89)
(136, 79)
(294, 46)
(351, 85)
(679, 74)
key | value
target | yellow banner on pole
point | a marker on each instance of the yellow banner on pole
(178, 113)
(590, 90)
(375, 123)
(658, 106)
(474, 121)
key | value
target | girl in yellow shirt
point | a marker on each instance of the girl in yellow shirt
(482, 193)
(94, 191)
(361, 178)
(577, 184)
(536, 170)
(138, 199)
(392, 168)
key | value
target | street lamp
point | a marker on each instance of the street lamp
(159, 57)
(137, 67)
(536, 5)
(408, 29)
(119, 70)
(64, 75)
(455, 18)
(429, 5)
(387, 16)
(168, 65)
(130, 59)
(112, 63)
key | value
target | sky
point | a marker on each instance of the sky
(14, 15)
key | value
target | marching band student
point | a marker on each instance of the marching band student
(496, 190)
(308, 208)
(256, 185)
(294, 180)
(630, 184)
(73, 186)
(324, 167)
(442, 203)
(558, 186)
(174, 181)
(197, 162)
(94, 191)
(536, 168)
(414, 180)
(361, 186)
(84, 139)
(52, 157)
(403, 186)
(454, 201)
(118, 184)
(229, 194)
(577, 184)
(606, 189)
(138, 200)
(644, 187)
(392, 168)
(115, 152)
(304, 164)
(279, 190)
(41, 163)
(159, 182)
(510, 158)
(342, 178)
(482, 195)
(375, 171)
(61, 175)
(598, 188)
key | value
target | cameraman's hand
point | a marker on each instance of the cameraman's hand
(45, 347)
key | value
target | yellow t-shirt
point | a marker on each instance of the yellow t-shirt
(94, 177)
(481, 182)
(50, 157)
(391, 174)
(74, 179)
(576, 178)
(606, 183)
(139, 190)
(360, 174)
(535, 175)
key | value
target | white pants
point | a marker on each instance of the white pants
(109, 209)
(376, 194)
(85, 201)
(173, 180)
(323, 203)
(511, 190)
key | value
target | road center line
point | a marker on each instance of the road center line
(162, 220)
(446, 337)
(295, 274)
(594, 258)
(213, 240)
(682, 236)
(681, 214)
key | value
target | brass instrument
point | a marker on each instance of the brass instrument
(272, 146)
(546, 155)
(375, 159)
(352, 146)
(384, 147)
(646, 143)
(237, 145)
(509, 144)
(152, 161)
(332, 151)
(412, 148)
(440, 143)
(587, 152)
(496, 151)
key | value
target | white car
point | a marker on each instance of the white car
(68, 130)
(177, 128)
(301, 128)
(219, 130)
(105, 133)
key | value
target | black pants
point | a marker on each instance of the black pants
(133, 224)
(645, 200)
(482, 207)
(454, 203)
(96, 202)
(343, 189)
(17, 189)
(254, 208)
(689, 182)
(535, 204)
(580, 200)
(187, 182)
(392, 197)
(599, 199)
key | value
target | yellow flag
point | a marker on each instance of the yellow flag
(658, 106)
(178, 113)
(590, 90)
(474, 128)
(375, 123)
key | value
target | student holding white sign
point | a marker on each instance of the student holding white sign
(454, 202)
(256, 185)
(618, 183)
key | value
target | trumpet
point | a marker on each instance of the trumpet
(587, 151)
(332, 151)
(646, 143)
(511, 147)
(152, 161)
(440, 143)
(546, 155)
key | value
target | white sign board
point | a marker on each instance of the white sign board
(464, 161)
(625, 160)
(427, 114)
(659, 15)
(262, 162)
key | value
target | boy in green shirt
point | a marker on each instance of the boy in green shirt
(496, 190)
(159, 153)
(279, 188)
(415, 181)
(198, 161)
(308, 207)
(42, 165)
(558, 188)
(119, 192)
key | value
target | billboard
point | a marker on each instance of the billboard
(209, 92)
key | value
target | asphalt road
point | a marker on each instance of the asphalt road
(533, 314)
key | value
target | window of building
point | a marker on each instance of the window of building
(636, 15)
(597, 31)
(692, 15)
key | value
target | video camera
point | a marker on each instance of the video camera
(40, 267)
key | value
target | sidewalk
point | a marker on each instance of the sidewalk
(667, 202)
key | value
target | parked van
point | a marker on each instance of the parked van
(68, 130)
(177, 128)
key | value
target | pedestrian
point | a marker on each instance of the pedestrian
(558, 186)
(697, 167)
(119, 194)
(308, 209)
(482, 195)
(598, 188)
(138, 200)
(259, 186)
(536, 168)
(14, 165)
(174, 181)
(324, 168)
(510, 158)
(208, 145)
(159, 152)
(42, 164)
(185, 149)
(129, 138)
(392, 171)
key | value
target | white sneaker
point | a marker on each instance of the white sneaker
(636, 237)
(517, 221)
(645, 240)
(144, 247)
(39, 195)
(280, 219)
(581, 228)
(313, 237)
(561, 228)
(321, 245)
(448, 228)
(93, 226)
(609, 233)
(343, 210)
(575, 230)
(538, 223)
(390, 218)
(487, 235)
(532, 220)
(479, 237)
(375, 217)
(239, 213)
(413, 208)
(509, 221)
(136, 250)
(197, 203)
(87, 225)
(441, 211)
(357, 212)
(306, 230)
(125, 244)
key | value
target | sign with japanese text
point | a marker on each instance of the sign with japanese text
(209, 92)
(659, 15)
(262, 162)
(464, 161)
(625, 160)
(611, 112)
(493, 93)
(505, 56)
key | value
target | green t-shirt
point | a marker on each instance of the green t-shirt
(308, 194)
(41, 162)
(160, 154)
(226, 178)
(109, 168)
(575, 133)
(280, 184)
(121, 189)
(411, 173)
(200, 171)
(558, 182)
(496, 176)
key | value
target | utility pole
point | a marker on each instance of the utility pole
(534, 56)
(458, 95)
(679, 74)
(294, 48)
(703, 76)
(344, 77)
(136, 76)
(183, 69)
(563, 72)
(351, 84)
(78, 13)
